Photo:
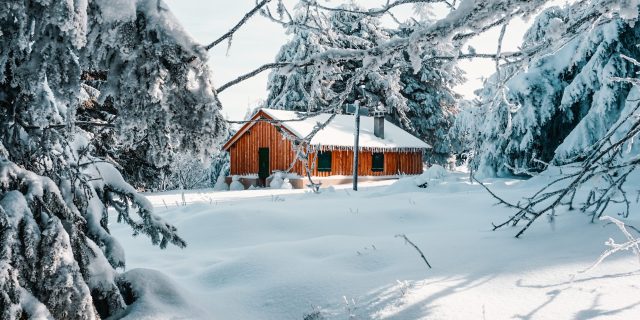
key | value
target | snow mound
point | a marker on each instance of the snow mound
(286, 184)
(156, 297)
(276, 181)
(221, 185)
(434, 175)
(236, 185)
(435, 172)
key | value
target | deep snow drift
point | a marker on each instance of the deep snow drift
(287, 254)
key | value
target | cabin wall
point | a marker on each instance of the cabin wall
(244, 152)
(394, 163)
(244, 156)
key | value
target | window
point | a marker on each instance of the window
(377, 162)
(324, 161)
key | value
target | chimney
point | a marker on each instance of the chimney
(378, 124)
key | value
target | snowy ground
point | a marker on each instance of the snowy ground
(285, 254)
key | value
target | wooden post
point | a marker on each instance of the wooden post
(356, 139)
(356, 142)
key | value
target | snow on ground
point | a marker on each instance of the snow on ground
(286, 254)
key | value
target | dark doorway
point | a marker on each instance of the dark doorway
(377, 162)
(263, 165)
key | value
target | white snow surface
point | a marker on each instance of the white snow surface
(159, 298)
(283, 254)
(339, 133)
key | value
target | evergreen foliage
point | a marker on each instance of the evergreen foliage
(67, 70)
(567, 99)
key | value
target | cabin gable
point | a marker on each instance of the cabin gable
(244, 149)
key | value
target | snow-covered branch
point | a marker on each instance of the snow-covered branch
(238, 25)
(605, 161)
(632, 243)
(379, 11)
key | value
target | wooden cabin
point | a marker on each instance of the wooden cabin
(269, 141)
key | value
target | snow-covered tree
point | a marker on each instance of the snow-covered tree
(420, 101)
(431, 103)
(567, 98)
(299, 89)
(312, 88)
(465, 130)
(220, 166)
(187, 172)
(57, 257)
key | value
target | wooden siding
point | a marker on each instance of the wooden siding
(243, 150)
(394, 163)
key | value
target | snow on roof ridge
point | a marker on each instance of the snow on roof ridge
(339, 133)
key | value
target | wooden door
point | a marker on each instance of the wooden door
(263, 163)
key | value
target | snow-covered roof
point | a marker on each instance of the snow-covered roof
(339, 133)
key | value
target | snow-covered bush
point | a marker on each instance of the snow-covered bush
(159, 297)
(188, 172)
(236, 185)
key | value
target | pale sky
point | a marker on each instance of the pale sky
(258, 42)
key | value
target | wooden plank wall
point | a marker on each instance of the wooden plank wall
(244, 152)
(244, 156)
(394, 163)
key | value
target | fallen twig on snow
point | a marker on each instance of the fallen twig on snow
(415, 246)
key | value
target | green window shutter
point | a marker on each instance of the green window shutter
(377, 162)
(324, 161)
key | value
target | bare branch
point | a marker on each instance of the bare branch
(415, 247)
(378, 12)
(312, 61)
(235, 28)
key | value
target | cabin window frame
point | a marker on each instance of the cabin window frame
(377, 161)
(321, 160)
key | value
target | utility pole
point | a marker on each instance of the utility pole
(356, 149)
(356, 142)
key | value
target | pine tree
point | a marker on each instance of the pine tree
(568, 97)
(313, 88)
(431, 101)
(301, 89)
(57, 257)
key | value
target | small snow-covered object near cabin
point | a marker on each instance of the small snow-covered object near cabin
(435, 172)
(384, 148)
(276, 181)
(236, 185)
(220, 185)
(286, 184)
(434, 175)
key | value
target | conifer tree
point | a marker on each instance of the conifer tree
(567, 99)
(57, 256)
